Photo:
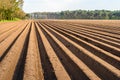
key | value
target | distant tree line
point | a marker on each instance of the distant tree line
(77, 14)
(10, 9)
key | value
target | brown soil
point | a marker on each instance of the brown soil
(60, 50)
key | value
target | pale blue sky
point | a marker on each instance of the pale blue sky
(61, 5)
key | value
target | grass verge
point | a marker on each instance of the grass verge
(15, 19)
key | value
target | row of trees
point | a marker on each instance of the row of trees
(78, 14)
(96, 14)
(10, 9)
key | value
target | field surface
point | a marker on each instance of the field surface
(60, 50)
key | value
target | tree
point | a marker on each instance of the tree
(9, 8)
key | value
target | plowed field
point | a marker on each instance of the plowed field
(60, 50)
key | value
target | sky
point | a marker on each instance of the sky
(62, 5)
